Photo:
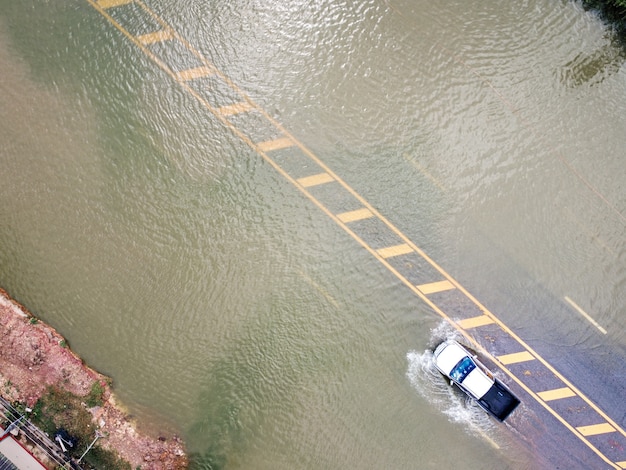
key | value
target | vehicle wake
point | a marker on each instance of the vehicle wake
(434, 388)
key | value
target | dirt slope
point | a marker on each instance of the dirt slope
(34, 356)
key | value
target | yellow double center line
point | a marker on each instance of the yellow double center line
(360, 219)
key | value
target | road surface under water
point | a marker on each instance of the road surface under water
(177, 260)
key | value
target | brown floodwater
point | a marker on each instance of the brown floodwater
(229, 307)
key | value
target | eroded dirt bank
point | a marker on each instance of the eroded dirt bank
(33, 356)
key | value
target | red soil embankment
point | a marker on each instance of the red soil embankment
(33, 356)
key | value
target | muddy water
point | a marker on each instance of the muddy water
(226, 305)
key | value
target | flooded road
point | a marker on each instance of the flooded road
(175, 258)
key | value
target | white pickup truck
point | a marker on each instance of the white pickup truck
(467, 373)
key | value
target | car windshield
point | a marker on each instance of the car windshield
(464, 367)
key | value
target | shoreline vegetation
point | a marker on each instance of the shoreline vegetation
(42, 378)
(613, 12)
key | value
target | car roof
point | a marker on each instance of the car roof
(448, 355)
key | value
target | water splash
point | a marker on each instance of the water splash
(435, 388)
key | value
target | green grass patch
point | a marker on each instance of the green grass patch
(95, 395)
(58, 409)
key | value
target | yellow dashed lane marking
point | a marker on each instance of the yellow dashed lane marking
(113, 3)
(556, 394)
(275, 144)
(353, 216)
(397, 250)
(192, 74)
(315, 180)
(475, 322)
(424, 171)
(594, 429)
(435, 287)
(236, 108)
(516, 357)
(368, 211)
(157, 36)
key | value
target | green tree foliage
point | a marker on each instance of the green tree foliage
(614, 11)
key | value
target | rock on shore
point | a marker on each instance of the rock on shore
(33, 356)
